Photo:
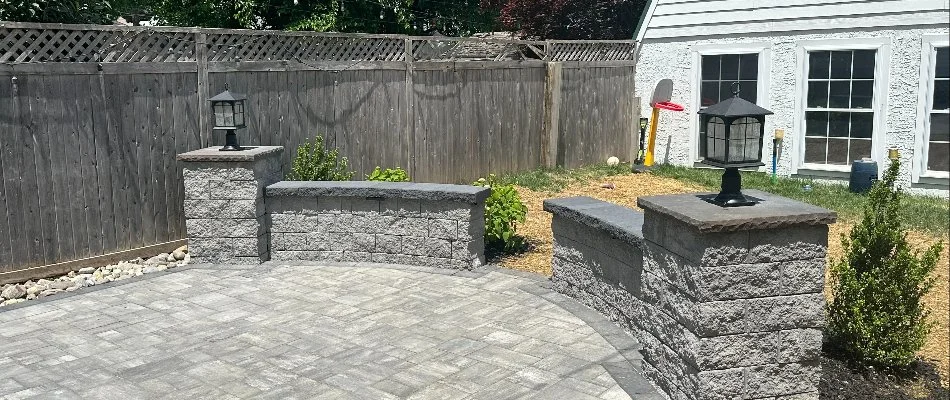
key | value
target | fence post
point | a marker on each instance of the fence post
(410, 121)
(201, 57)
(635, 132)
(552, 109)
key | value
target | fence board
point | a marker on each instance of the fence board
(102, 133)
(91, 215)
(9, 125)
(33, 166)
(66, 166)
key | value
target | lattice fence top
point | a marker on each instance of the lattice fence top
(591, 51)
(32, 43)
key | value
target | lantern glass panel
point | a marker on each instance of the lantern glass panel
(221, 110)
(716, 139)
(239, 113)
(745, 140)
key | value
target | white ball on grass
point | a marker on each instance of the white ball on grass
(612, 161)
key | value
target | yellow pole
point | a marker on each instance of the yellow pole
(648, 160)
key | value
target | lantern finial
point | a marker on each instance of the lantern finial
(735, 89)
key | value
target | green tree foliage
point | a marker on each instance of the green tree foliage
(876, 316)
(61, 11)
(367, 16)
(503, 211)
(314, 162)
(570, 19)
(388, 175)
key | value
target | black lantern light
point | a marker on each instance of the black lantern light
(228, 109)
(733, 137)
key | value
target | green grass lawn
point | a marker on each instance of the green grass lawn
(927, 214)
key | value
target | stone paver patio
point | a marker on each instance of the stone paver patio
(346, 331)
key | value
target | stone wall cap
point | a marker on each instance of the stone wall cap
(213, 154)
(390, 190)
(771, 212)
(621, 222)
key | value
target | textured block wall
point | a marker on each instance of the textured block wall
(738, 315)
(224, 203)
(720, 315)
(437, 233)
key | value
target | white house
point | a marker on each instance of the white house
(847, 79)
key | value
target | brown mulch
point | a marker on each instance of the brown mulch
(537, 258)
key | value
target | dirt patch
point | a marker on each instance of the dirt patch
(626, 189)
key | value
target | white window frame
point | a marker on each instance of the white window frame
(928, 63)
(762, 81)
(882, 60)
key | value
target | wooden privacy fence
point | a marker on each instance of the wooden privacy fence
(91, 118)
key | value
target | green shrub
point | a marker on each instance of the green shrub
(388, 175)
(316, 163)
(876, 317)
(503, 211)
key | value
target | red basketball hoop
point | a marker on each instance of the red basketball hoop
(666, 105)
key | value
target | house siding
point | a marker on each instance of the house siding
(692, 18)
(675, 60)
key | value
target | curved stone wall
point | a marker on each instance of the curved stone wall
(383, 222)
(727, 303)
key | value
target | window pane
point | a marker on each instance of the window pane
(730, 67)
(709, 93)
(943, 63)
(839, 94)
(838, 151)
(941, 94)
(863, 64)
(816, 123)
(862, 125)
(818, 64)
(710, 68)
(841, 64)
(748, 90)
(749, 66)
(818, 94)
(937, 157)
(860, 148)
(838, 124)
(940, 127)
(815, 150)
(861, 94)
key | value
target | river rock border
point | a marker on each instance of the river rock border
(16, 293)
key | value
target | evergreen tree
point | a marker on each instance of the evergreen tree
(877, 317)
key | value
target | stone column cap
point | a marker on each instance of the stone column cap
(771, 212)
(214, 154)
(622, 222)
(386, 190)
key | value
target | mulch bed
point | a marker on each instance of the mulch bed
(840, 381)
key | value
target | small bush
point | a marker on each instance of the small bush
(316, 163)
(388, 175)
(876, 317)
(503, 211)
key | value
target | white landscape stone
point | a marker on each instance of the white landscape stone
(91, 276)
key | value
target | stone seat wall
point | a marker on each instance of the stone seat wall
(403, 223)
(727, 303)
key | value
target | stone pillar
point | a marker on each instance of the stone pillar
(224, 203)
(738, 296)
